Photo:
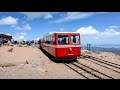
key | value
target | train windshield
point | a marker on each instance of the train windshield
(75, 39)
(63, 39)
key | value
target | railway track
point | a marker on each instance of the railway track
(87, 72)
(109, 65)
(77, 71)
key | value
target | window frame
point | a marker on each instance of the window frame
(76, 40)
(66, 36)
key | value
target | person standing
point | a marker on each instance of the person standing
(9, 42)
(1, 41)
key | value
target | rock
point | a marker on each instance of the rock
(42, 70)
(105, 56)
(10, 50)
(26, 62)
(101, 56)
(20, 45)
(11, 45)
(98, 52)
(78, 57)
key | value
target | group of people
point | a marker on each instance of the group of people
(4, 41)
(28, 43)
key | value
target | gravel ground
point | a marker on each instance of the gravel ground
(105, 56)
(31, 63)
(31, 70)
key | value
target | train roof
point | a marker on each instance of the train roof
(50, 33)
(65, 32)
(61, 32)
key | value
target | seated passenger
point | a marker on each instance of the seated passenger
(64, 41)
(74, 39)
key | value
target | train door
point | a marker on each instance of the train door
(75, 44)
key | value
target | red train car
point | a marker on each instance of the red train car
(62, 45)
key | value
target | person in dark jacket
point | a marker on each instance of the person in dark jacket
(0, 43)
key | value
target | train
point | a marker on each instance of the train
(62, 45)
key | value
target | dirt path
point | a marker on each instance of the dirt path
(38, 66)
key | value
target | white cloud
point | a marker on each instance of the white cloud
(102, 12)
(87, 31)
(74, 16)
(96, 38)
(114, 27)
(18, 27)
(20, 36)
(48, 16)
(8, 21)
(62, 14)
(110, 32)
(8, 34)
(23, 33)
(34, 15)
(1, 32)
(90, 30)
(26, 27)
(109, 35)
(13, 26)
(37, 39)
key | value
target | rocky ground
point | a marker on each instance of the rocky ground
(30, 63)
(104, 55)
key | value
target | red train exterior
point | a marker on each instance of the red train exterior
(62, 45)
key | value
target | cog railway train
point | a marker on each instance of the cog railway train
(62, 45)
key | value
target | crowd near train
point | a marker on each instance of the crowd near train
(4, 41)
(62, 45)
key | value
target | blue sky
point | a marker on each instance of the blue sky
(97, 28)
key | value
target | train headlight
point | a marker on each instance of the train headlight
(70, 49)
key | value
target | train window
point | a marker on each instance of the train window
(62, 39)
(75, 39)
